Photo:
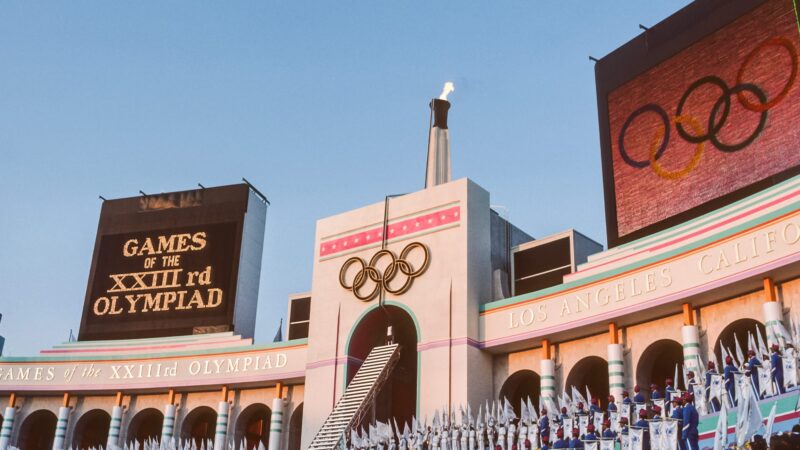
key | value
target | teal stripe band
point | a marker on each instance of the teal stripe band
(615, 362)
(548, 377)
(277, 413)
(273, 430)
(547, 388)
(220, 433)
(619, 385)
(690, 358)
(616, 374)
(691, 344)
(5, 435)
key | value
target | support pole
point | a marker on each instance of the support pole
(221, 432)
(276, 421)
(116, 422)
(8, 423)
(61, 424)
(168, 426)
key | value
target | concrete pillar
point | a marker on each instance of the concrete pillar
(547, 377)
(773, 312)
(61, 427)
(8, 427)
(168, 426)
(222, 425)
(691, 348)
(276, 424)
(113, 428)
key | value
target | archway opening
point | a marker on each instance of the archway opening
(37, 431)
(591, 372)
(296, 428)
(252, 426)
(91, 430)
(520, 386)
(398, 397)
(199, 425)
(657, 363)
(145, 425)
(738, 330)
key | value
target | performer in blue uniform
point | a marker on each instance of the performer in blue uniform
(669, 389)
(590, 435)
(626, 400)
(576, 441)
(776, 363)
(560, 441)
(544, 424)
(608, 433)
(638, 397)
(690, 422)
(612, 407)
(642, 423)
(754, 364)
(655, 394)
(677, 414)
(730, 383)
(623, 426)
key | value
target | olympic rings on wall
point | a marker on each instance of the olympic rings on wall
(397, 266)
(717, 118)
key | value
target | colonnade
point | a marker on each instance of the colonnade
(690, 334)
(221, 431)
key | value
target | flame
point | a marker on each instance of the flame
(447, 89)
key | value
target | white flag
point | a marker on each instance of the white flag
(789, 371)
(598, 421)
(721, 432)
(583, 423)
(700, 399)
(606, 444)
(669, 432)
(715, 390)
(770, 422)
(625, 442)
(590, 445)
(765, 381)
(656, 440)
(636, 436)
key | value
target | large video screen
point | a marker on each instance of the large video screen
(708, 124)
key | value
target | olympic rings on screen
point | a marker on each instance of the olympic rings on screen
(397, 266)
(717, 119)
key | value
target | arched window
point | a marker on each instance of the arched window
(252, 426)
(91, 430)
(657, 363)
(520, 386)
(200, 425)
(591, 372)
(296, 428)
(37, 431)
(738, 330)
(145, 425)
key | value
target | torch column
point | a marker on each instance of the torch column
(691, 340)
(276, 421)
(547, 369)
(616, 364)
(116, 422)
(61, 424)
(168, 426)
(773, 313)
(8, 423)
(221, 433)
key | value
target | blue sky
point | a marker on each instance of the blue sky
(322, 105)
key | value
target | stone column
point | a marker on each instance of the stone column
(773, 312)
(61, 427)
(113, 428)
(276, 424)
(221, 430)
(168, 426)
(8, 425)
(691, 341)
(547, 378)
(616, 364)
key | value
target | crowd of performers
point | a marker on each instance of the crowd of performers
(665, 419)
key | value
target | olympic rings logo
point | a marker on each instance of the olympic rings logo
(691, 130)
(396, 267)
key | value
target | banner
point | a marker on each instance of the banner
(607, 444)
(670, 434)
(583, 423)
(789, 372)
(636, 437)
(656, 438)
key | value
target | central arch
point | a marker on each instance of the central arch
(252, 426)
(521, 385)
(591, 372)
(199, 425)
(398, 398)
(91, 430)
(657, 363)
(37, 431)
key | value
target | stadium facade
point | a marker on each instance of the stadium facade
(702, 191)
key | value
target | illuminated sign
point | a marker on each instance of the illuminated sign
(164, 267)
(698, 112)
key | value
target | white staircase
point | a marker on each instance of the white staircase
(357, 397)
